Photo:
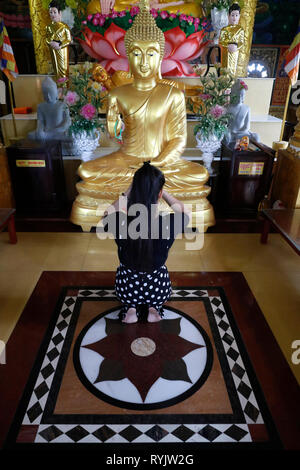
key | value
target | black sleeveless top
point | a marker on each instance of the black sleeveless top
(164, 230)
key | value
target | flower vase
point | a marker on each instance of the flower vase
(84, 144)
(219, 19)
(208, 147)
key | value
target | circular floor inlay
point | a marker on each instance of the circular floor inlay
(143, 365)
(143, 347)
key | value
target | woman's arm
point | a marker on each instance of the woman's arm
(119, 204)
(176, 205)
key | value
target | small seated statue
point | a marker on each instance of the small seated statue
(153, 115)
(53, 118)
(172, 6)
(241, 116)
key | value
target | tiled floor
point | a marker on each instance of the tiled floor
(272, 272)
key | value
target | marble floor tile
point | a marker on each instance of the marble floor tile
(272, 270)
(278, 296)
(15, 289)
(231, 252)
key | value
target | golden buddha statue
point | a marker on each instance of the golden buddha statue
(58, 38)
(232, 38)
(185, 7)
(154, 115)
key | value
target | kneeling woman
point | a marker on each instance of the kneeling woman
(143, 242)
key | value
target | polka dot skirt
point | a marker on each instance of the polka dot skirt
(138, 288)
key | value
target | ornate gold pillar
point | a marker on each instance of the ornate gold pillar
(247, 23)
(39, 20)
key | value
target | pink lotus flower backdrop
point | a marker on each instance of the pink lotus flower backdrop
(109, 50)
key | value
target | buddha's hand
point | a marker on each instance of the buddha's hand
(154, 161)
(158, 6)
(106, 6)
(161, 162)
(232, 47)
(54, 45)
(41, 134)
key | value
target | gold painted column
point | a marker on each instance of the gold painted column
(247, 23)
(39, 20)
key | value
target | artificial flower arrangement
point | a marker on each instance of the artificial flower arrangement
(164, 20)
(84, 99)
(211, 106)
(243, 85)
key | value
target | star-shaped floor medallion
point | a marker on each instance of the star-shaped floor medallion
(157, 360)
(143, 352)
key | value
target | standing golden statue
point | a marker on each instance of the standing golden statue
(58, 38)
(153, 112)
(186, 7)
(232, 38)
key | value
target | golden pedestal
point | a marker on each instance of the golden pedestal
(87, 211)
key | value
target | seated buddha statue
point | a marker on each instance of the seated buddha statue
(53, 117)
(185, 7)
(154, 115)
(239, 126)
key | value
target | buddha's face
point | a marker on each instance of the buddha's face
(242, 95)
(55, 14)
(144, 59)
(234, 17)
(50, 91)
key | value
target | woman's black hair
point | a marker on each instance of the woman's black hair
(234, 7)
(55, 4)
(147, 182)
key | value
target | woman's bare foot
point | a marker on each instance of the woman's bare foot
(130, 316)
(153, 315)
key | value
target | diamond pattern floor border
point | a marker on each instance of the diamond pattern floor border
(36, 423)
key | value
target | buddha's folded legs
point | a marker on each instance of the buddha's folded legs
(118, 169)
(112, 165)
(103, 179)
